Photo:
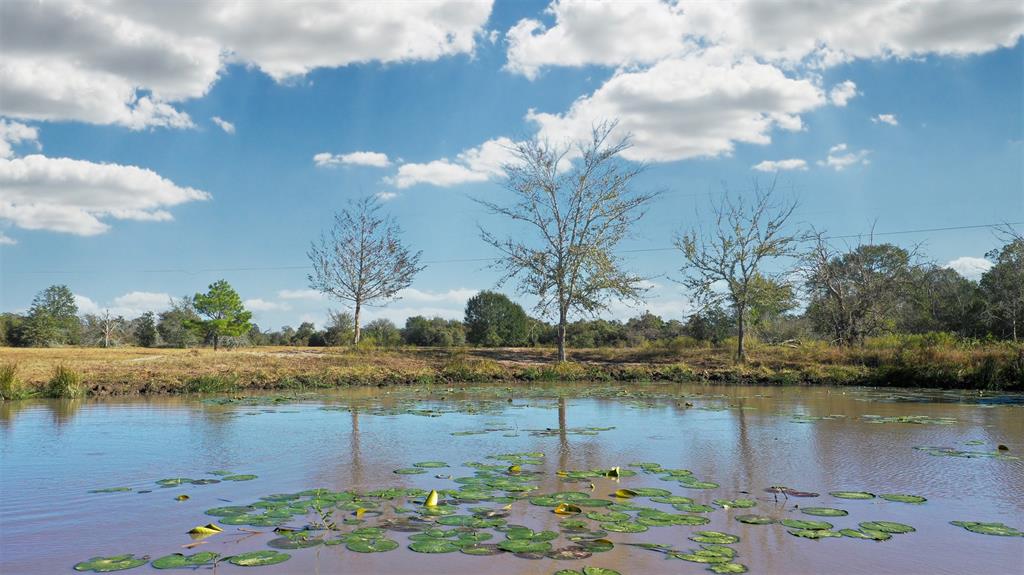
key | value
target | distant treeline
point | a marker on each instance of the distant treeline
(873, 290)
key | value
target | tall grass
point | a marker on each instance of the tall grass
(65, 383)
(11, 386)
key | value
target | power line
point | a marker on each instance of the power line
(479, 260)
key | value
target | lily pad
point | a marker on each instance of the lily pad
(524, 546)
(569, 553)
(259, 558)
(989, 528)
(595, 545)
(179, 561)
(433, 546)
(824, 511)
(430, 464)
(735, 503)
(901, 498)
(370, 544)
(599, 571)
(852, 494)
(716, 537)
(111, 490)
(482, 549)
(651, 492)
(624, 527)
(410, 471)
(866, 534)
(240, 477)
(755, 519)
(693, 507)
(728, 568)
(815, 533)
(806, 524)
(112, 563)
(887, 527)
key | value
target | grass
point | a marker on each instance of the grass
(905, 362)
(11, 386)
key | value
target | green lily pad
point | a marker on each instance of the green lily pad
(699, 484)
(624, 527)
(110, 490)
(824, 511)
(259, 558)
(735, 503)
(599, 571)
(728, 568)
(524, 546)
(569, 553)
(689, 520)
(887, 527)
(755, 519)
(370, 544)
(866, 534)
(482, 549)
(294, 542)
(430, 464)
(174, 481)
(410, 471)
(693, 507)
(433, 546)
(716, 537)
(112, 563)
(699, 557)
(901, 498)
(179, 561)
(815, 533)
(989, 528)
(806, 524)
(568, 572)
(650, 492)
(595, 545)
(241, 477)
(609, 517)
(852, 494)
(672, 499)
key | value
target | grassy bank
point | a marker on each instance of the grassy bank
(69, 372)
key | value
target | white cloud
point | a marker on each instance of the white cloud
(374, 159)
(478, 164)
(6, 240)
(16, 133)
(841, 157)
(813, 32)
(75, 196)
(457, 296)
(305, 294)
(129, 305)
(698, 106)
(971, 268)
(127, 61)
(385, 196)
(780, 165)
(886, 119)
(257, 304)
(224, 124)
(842, 93)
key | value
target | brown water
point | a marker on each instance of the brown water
(52, 453)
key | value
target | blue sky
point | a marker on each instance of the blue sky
(893, 115)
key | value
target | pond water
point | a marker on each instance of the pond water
(53, 454)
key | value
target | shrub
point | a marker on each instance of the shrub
(65, 383)
(211, 384)
(10, 386)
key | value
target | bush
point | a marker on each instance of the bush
(65, 383)
(10, 386)
(212, 384)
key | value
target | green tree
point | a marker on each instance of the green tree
(224, 312)
(174, 323)
(383, 333)
(436, 332)
(304, 333)
(145, 329)
(53, 317)
(340, 328)
(493, 320)
(1002, 287)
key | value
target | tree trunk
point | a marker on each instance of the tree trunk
(358, 332)
(561, 337)
(741, 352)
(216, 340)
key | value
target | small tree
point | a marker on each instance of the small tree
(340, 327)
(383, 333)
(493, 320)
(105, 330)
(1003, 290)
(575, 213)
(53, 317)
(727, 264)
(145, 329)
(362, 260)
(226, 316)
(174, 324)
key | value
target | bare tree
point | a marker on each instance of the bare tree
(361, 260)
(105, 330)
(576, 210)
(727, 264)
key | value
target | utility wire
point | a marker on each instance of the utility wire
(480, 260)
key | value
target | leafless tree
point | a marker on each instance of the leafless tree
(105, 330)
(727, 263)
(575, 204)
(362, 260)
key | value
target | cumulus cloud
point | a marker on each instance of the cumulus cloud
(374, 159)
(128, 305)
(14, 134)
(76, 196)
(780, 165)
(842, 93)
(127, 62)
(841, 157)
(886, 119)
(699, 106)
(304, 294)
(6, 240)
(971, 268)
(223, 124)
(478, 164)
(385, 196)
(816, 33)
(257, 304)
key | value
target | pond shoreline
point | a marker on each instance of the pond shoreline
(149, 371)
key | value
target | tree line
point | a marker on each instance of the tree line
(749, 271)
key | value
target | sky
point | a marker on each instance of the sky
(150, 148)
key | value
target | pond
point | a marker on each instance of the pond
(84, 479)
